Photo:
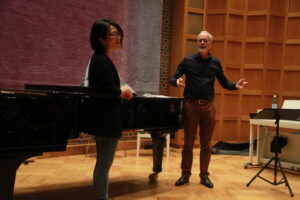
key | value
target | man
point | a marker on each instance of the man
(200, 70)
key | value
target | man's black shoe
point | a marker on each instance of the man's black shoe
(206, 182)
(182, 180)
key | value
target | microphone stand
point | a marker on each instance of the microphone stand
(276, 161)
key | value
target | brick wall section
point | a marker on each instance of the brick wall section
(165, 53)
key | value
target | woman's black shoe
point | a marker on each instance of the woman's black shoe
(153, 178)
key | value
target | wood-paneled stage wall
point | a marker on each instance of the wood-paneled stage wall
(256, 40)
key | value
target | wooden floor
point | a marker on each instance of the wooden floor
(70, 178)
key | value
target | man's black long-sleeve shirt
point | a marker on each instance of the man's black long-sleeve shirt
(200, 77)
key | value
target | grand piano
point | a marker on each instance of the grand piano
(41, 118)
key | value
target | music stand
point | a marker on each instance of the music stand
(277, 114)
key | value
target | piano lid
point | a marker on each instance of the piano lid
(21, 92)
(70, 90)
(61, 88)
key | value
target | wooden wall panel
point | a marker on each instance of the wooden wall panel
(235, 55)
(244, 131)
(218, 49)
(191, 47)
(233, 74)
(235, 25)
(274, 31)
(289, 97)
(257, 40)
(294, 6)
(292, 55)
(267, 101)
(250, 104)
(256, 26)
(293, 28)
(196, 4)
(231, 108)
(195, 23)
(229, 130)
(274, 55)
(218, 102)
(216, 4)
(236, 4)
(217, 132)
(255, 78)
(278, 5)
(291, 81)
(272, 80)
(216, 24)
(257, 5)
(254, 53)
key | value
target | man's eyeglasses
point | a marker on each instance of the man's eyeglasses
(203, 40)
(114, 34)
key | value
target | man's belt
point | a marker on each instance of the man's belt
(199, 101)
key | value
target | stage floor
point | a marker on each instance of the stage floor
(70, 178)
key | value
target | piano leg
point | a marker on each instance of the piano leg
(8, 169)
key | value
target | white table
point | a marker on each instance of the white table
(266, 123)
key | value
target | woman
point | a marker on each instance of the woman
(106, 36)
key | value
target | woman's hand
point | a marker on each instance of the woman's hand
(126, 92)
(180, 82)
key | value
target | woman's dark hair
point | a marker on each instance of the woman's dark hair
(100, 30)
